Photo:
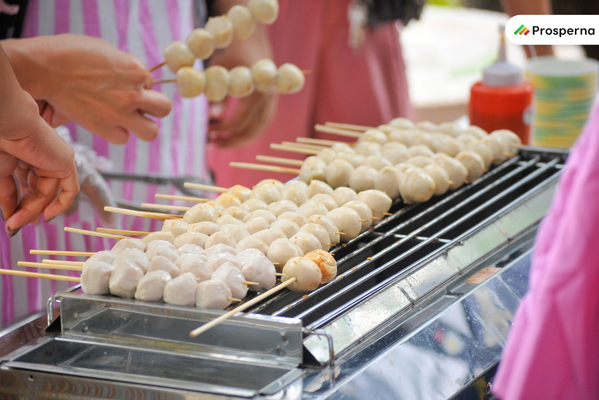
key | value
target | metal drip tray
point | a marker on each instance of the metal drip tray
(155, 368)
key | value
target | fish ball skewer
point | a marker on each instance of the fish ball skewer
(151, 286)
(213, 294)
(181, 291)
(346, 220)
(241, 83)
(473, 163)
(265, 74)
(123, 279)
(440, 177)
(260, 270)
(190, 82)
(177, 55)
(416, 186)
(95, 277)
(377, 201)
(201, 43)
(282, 250)
(290, 79)
(306, 272)
(325, 262)
(222, 30)
(217, 83)
(233, 278)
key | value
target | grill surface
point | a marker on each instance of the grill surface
(412, 234)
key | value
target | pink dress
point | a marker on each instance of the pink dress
(366, 87)
(553, 348)
(143, 28)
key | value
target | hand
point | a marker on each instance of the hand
(249, 120)
(86, 80)
(43, 164)
(251, 115)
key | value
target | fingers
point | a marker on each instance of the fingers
(69, 188)
(32, 205)
(141, 126)
(8, 196)
(154, 103)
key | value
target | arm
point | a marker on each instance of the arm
(252, 114)
(33, 151)
(535, 7)
(86, 80)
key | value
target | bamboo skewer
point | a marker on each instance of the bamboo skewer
(154, 68)
(62, 262)
(49, 266)
(262, 167)
(305, 145)
(293, 149)
(164, 207)
(322, 142)
(62, 253)
(351, 127)
(38, 275)
(205, 187)
(94, 233)
(250, 283)
(183, 198)
(337, 131)
(164, 81)
(280, 160)
(122, 232)
(144, 214)
(240, 308)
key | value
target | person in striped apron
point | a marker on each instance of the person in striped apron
(142, 28)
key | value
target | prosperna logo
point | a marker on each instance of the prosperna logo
(522, 30)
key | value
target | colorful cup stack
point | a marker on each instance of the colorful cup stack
(565, 91)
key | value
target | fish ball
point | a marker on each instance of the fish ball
(151, 286)
(511, 139)
(362, 178)
(256, 224)
(220, 238)
(206, 228)
(377, 201)
(341, 147)
(306, 273)
(242, 20)
(175, 226)
(422, 138)
(354, 159)
(181, 291)
(327, 155)
(269, 235)
(133, 256)
(306, 241)
(346, 220)
(440, 177)
(213, 295)
(420, 150)
(396, 155)
(416, 186)
(319, 232)
(227, 200)
(295, 217)
(265, 74)
(266, 193)
(363, 211)
(420, 161)
(401, 136)
(252, 205)
(476, 132)
(326, 200)
(279, 207)
(473, 163)
(312, 208)
(283, 250)
(201, 269)
(217, 83)
(317, 187)
(342, 195)
(328, 225)
(95, 278)
(251, 242)
(189, 248)
(222, 30)
(288, 227)
(294, 194)
(377, 162)
(235, 212)
(265, 11)
(161, 263)
(216, 260)
(297, 183)
(241, 192)
(155, 243)
(456, 170)
(367, 149)
(449, 146)
(271, 182)
(450, 128)
(228, 220)
(242, 82)
(220, 249)
(260, 270)
(326, 262)
(165, 251)
(128, 243)
(178, 55)
(267, 215)
(313, 168)
(290, 79)
(237, 232)
(200, 213)
(233, 278)
(102, 256)
(373, 135)
(190, 82)
(466, 139)
(201, 43)
(482, 150)
(123, 279)
(426, 126)
(166, 236)
(401, 123)
(387, 180)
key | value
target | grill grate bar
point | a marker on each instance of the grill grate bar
(420, 229)
(328, 317)
(381, 236)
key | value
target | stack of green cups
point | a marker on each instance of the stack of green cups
(565, 91)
